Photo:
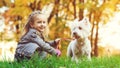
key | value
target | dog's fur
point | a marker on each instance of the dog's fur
(80, 46)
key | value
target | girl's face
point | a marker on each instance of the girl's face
(40, 23)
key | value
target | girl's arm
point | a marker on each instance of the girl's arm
(33, 37)
(54, 43)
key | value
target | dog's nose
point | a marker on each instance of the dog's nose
(74, 33)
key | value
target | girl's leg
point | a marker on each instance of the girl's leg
(29, 49)
(43, 54)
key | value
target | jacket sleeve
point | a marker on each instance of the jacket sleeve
(33, 37)
(52, 43)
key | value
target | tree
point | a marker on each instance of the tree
(81, 9)
(97, 15)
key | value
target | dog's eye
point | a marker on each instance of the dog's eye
(80, 28)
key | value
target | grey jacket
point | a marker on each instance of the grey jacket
(32, 41)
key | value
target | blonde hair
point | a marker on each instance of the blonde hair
(31, 19)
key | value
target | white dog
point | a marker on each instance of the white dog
(80, 46)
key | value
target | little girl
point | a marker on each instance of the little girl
(33, 39)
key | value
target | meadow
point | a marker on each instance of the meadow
(64, 62)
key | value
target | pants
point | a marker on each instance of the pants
(28, 50)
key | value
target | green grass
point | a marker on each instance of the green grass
(63, 62)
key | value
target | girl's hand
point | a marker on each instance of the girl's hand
(57, 42)
(58, 52)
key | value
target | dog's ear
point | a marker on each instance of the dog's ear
(86, 22)
(76, 20)
(68, 23)
(72, 24)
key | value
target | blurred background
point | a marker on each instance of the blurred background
(103, 15)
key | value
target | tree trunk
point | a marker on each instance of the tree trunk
(55, 11)
(32, 5)
(4, 3)
(74, 5)
(96, 40)
(39, 5)
(97, 15)
(93, 26)
(81, 10)
(56, 14)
